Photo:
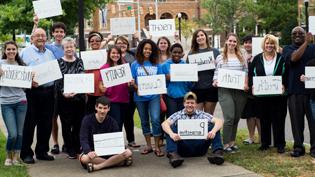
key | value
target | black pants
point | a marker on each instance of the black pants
(128, 119)
(272, 113)
(39, 114)
(90, 104)
(299, 106)
(71, 112)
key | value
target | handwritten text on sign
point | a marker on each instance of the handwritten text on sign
(93, 59)
(47, 72)
(184, 72)
(47, 8)
(267, 85)
(193, 128)
(116, 75)
(126, 25)
(204, 60)
(162, 27)
(309, 77)
(231, 79)
(109, 143)
(78, 83)
(151, 85)
(16, 76)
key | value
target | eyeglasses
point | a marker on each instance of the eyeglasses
(40, 35)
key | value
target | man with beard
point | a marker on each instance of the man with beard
(297, 55)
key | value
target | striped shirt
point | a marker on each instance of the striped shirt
(182, 115)
(231, 64)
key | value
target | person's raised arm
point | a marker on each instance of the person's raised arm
(297, 54)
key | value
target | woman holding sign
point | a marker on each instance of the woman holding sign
(148, 106)
(13, 107)
(272, 108)
(232, 101)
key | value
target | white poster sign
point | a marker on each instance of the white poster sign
(79, 83)
(193, 128)
(311, 22)
(109, 143)
(256, 44)
(184, 72)
(16, 76)
(309, 77)
(126, 25)
(151, 85)
(47, 8)
(116, 75)
(267, 85)
(47, 72)
(93, 59)
(164, 27)
(204, 60)
(231, 79)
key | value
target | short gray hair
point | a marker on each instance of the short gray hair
(68, 40)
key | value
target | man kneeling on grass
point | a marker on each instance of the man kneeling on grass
(99, 123)
(191, 148)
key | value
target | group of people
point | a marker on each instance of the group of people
(109, 109)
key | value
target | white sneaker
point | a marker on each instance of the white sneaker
(248, 141)
(8, 162)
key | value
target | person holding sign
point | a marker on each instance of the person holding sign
(149, 105)
(40, 102)
(13, 107)
(232, 101)
(191, 148)
(270, 63)
(70, 105)
(207, 94)
(297, 55)
(94, 39)
(98, 123)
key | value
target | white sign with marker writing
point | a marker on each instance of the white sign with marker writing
(311, 22)
(183, 72)
(109, 143)
(256, 43)
(193, 128)
(16, 76)
(79, 83)
(165, 27)
(47, 72)
(126, 25)
(309, 77)
(47, 8)
(233, 79)
(151, 85)
(93, 59)
(267, 85)
(204, 60)
(116, 75)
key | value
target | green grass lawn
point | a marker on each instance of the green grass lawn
(12, 171)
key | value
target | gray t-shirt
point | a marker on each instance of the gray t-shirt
(11, 95)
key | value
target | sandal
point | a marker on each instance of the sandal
(90, 167)
(128, 162)
(159, 153)
(146, 150)
(133, 145)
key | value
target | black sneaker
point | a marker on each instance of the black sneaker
(45, 157)
(298, 152)
(216, 157)
(281, 150)
(64, 149)
(55, 149)
(29, 160)
(175, 160)
(312, 154)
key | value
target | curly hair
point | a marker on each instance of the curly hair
(153, 58)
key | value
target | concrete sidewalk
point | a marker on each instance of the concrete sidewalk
(143, 166)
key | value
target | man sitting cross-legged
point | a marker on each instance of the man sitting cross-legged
(99, 123)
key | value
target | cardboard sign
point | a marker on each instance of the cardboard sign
(233, 79)
(152, 85)
(309, 77)
(164, 27)
(93, 59)
(79, 83)
(47, 8)
(126, 25)
(267, 85)
(116, 75)
(311, 22)
(193, 128)
(204, 60)
(184, 72)
(16, 76)
(47, 72)
(109, 143)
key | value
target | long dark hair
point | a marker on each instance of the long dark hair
(17, 56)
(110, 61)
(194, 44)
(154, 55)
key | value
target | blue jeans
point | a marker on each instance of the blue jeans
(193, 148)
(14, 116)
(174, 105)
(313, 108)
(152, 108)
